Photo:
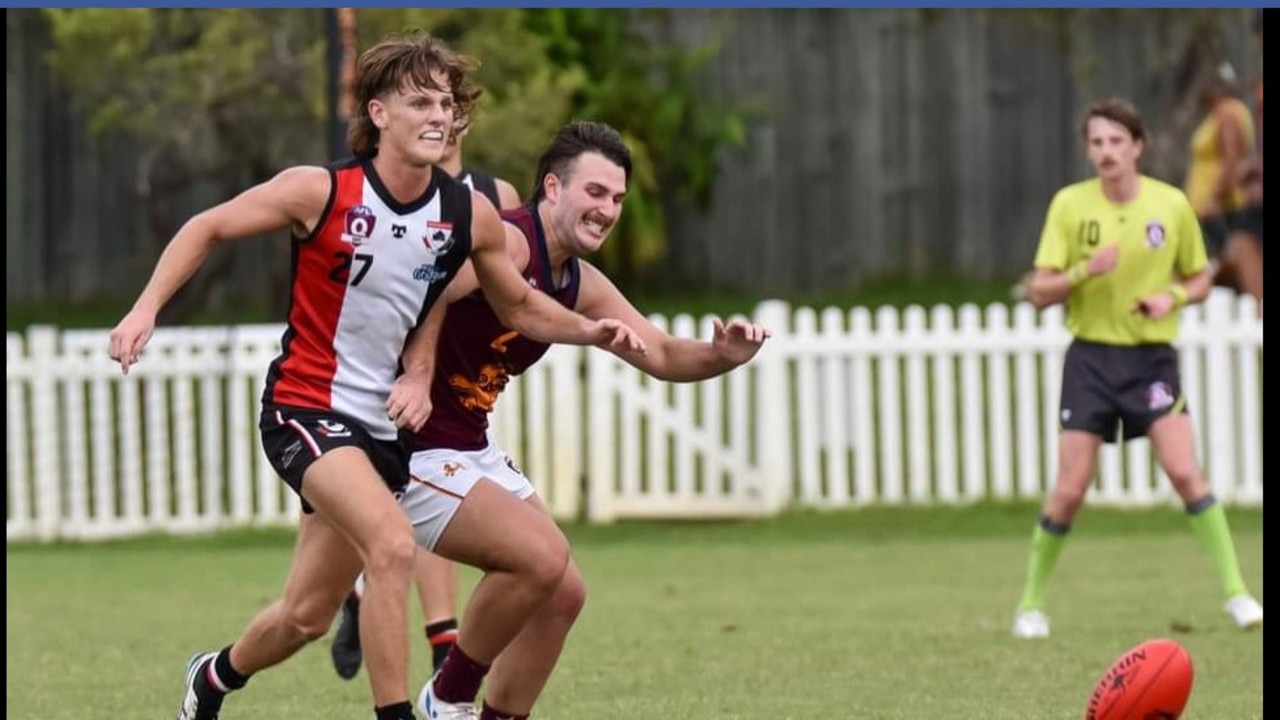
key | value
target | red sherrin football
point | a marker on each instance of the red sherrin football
(1149, 682)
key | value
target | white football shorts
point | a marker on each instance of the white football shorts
(439, 479)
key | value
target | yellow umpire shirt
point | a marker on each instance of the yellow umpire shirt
(1159, 243)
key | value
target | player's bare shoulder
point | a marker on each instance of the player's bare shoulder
(487, 228)
(304, 191)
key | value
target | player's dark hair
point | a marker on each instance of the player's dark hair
(407, 60)
(1117, 110)
(574, 139)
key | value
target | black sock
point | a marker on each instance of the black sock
(1054, 528)
(226, 675)
(398, 711)
(1199, 506)
(441, 635)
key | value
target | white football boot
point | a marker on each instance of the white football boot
(1245, 611)
(434, 709)
(1030, 625)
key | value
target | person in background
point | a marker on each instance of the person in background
(1220, 148)
(1243, 249)
(1125, 253)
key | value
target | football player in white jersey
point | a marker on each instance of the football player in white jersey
(365, 278)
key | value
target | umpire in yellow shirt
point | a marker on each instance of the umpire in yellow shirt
(1125, 253)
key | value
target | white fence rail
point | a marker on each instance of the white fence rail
(840, 409)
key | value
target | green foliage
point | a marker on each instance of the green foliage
(222, 89)
(229, 96)
(526, 97)
(542, 68)
(650, 90)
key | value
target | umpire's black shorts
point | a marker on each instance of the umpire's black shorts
(294, 437)
(1109, 387)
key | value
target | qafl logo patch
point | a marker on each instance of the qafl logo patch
(358, 224)
(1155, 235)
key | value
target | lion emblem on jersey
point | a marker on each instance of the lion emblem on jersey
(439, 237)
(481, 393)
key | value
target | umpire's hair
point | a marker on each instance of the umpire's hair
(1117, 110)
(403, 60)
(574, 139)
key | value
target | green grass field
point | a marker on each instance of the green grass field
(877, 614)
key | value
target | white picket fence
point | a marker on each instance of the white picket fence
(840, 409)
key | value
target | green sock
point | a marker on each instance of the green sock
(1210, 525)
(1046, 545)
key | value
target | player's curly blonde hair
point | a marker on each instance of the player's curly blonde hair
(408, 59)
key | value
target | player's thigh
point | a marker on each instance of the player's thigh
(442, 478)
(347, 491)
(1077, 459)
(309, 448)
(1087, 399)
(1173, 441)
(494, 530)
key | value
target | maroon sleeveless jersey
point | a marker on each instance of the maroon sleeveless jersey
(477, 354)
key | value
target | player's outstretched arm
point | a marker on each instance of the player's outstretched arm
(295, 197)
(525, 310)
(671, 358)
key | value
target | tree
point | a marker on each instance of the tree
(224, 98)
(649, 89)
(219, 100)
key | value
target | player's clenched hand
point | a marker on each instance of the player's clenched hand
(739, 340)
(1104, 260)
(1155, 306)
(409, 404)
(130, 336)
(618, 336)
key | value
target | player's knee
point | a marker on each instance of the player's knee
(392, 556)
(570, 595)
(547, 564)
(310, 618)
(1070, 492)
(1186, 478)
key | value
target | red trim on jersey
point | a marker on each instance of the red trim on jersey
(306, 375)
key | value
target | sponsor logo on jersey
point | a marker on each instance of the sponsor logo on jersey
(427, 272)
